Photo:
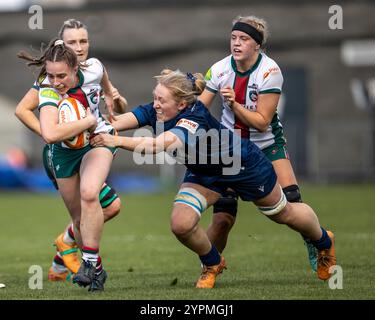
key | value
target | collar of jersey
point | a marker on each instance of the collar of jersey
(248, 72)
(81, 79)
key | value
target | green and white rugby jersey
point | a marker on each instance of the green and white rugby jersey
(264, 77)
(87, 92)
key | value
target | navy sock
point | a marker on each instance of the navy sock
(324, 242)
(212, 258)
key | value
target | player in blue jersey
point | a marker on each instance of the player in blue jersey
(216, 159)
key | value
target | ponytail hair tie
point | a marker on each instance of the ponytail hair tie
(58, 42)
(192, 79)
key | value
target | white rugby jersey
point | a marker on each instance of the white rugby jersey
(264, 77)
(87, 92)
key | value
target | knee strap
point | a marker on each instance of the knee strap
(106, 196)
(278, 207)
(192, 198)
(228, 203)
(292, 193)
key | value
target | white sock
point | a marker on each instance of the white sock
(67, 238)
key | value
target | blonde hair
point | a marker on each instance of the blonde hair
(71, 24)
(258, 23)
(182, 86)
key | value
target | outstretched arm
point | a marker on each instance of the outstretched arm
(163, 142)
(126, 121)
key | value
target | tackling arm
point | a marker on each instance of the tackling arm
(164, 141)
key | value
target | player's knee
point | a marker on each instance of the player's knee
(191, 204)
(181, 228)
(228, 203)
(89, 195)
(292, 193)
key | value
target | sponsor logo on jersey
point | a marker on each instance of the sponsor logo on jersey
(94, 96)
(222, 74)
(271, 70)
(253, 95)
(253, 86)
(208, 75)
(49, 93)
(191, 126)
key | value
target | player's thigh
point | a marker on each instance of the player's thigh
(210, 195)
(270, 199)
(69, 189)
(94, 170)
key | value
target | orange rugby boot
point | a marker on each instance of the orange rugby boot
(58, 276)
(208, 277)
(68, 254)
(326, 259)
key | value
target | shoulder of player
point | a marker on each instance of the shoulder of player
(221, 65)
(219, 69)
(93, 64)
(41, 82)
(48, 96)
(268, 64)
(49, 92)
(93, 60)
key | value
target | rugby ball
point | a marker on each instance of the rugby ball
(71, 109)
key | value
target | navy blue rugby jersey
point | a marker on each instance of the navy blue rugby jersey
(210, 147)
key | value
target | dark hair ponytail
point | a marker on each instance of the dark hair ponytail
(55, 51)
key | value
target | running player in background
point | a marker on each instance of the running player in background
(249, 84)
(75, 36)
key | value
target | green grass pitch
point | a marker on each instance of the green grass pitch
(145, 261)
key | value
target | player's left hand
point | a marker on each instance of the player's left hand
(229, 96)
(108, 98)
(115, 94)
